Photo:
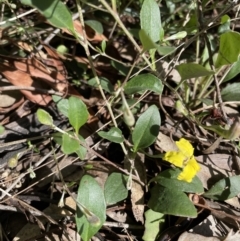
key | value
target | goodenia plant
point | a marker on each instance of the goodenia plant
(184, 159)
(90, 214)
(77, 113)
(168, 196)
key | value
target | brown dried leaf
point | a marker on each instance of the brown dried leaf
(14, 106)
(137, 199)
(19, 78)
(51, 70)
(165, 143)
(119, 216)
(27, 232)
(210, 173)
(9, 99)
(92, 36)
(55, 60)
(137, 191)
(196, 237)
(36, 69)
(232, 236)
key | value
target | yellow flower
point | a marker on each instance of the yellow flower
(184, 159)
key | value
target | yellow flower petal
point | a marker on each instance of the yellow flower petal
(185, 147)
(174, 157)
(189, 171)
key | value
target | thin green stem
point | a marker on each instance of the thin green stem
(118, 20)
(84, 43)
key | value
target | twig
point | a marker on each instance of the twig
(30, 208)
(84, 43)
(44, 91)
(30, 88)
(18, 16)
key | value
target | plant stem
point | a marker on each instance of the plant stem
(84, 43)
(118, 20)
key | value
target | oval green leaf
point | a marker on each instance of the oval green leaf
(77, 113)
(168, 178)
(225, 24)
(81, 151)
(192, 70)
(146, 40)
(165, 50)
(146, 129)
(151, 19)
(154, 224)
(54, 11)
(224, 189)
(91, 196)
(231, 92)
(171, 201)
(179, 35)
(114, 135)
(115, 188)
(44, 117)
(2, 129)
(95, 25)
(62, 104)
(105, 84)
(234, 71)
(143, 82)
(229, 49)
(69, 145)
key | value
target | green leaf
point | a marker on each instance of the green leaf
(69, 145)
(150, 19)
(171, 201)
(225, 24)
(143, 82)
(225, 18)
(152, 223)
(62, 49)
(78, 114)
(192, 25)
(103, 46)
(229, 49)
(146, 40)
(146, 129)
(91, 196)
(168, 178)
(54, 11)
(224, 189)
(57, 137)
(231, 92)
(95, 25)
(122, 69)
(192, 70)
(81, 151)
(234, 71)
(115, 188)
(179, 35)
(114, 135)
(2, 129)
(44, 117)
(165, 50)
(62, 104)
(105, 84)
